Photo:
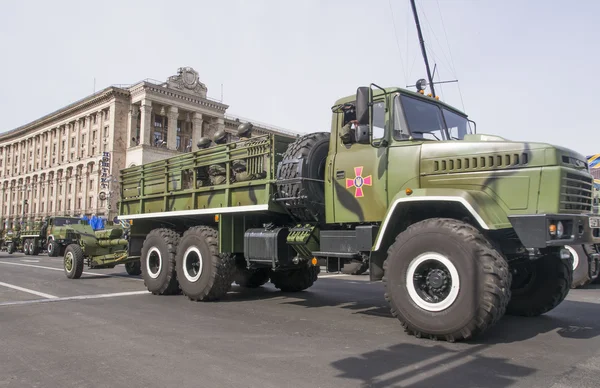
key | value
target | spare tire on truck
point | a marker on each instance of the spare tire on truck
(301, 177)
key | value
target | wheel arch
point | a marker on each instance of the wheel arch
(475, 207)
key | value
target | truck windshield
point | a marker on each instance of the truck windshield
(66, 221)
(430, 121)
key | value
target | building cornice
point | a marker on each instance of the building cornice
(152, 88)
(85, 103)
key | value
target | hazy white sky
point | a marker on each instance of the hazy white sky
(526, 69)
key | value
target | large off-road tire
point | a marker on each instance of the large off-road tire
(595, 270)
(133, 268)
(295, 280)
(158, 261)
(26, 247)
(10, 248)
(204, 274)
(52, 248)
(581, 266)
(303, 171)
(73, 261)
(252, 278)
(540, 285)
(444, 280)
(355, 268)
(34, 249)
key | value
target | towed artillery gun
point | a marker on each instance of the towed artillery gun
(98, 249)
(460, 227)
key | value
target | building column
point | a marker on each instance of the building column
(132, 118)
(4, 157)
(173, 115)
(196, 129)
(146, 122)
(86, 178)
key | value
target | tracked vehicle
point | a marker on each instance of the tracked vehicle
(461, 227)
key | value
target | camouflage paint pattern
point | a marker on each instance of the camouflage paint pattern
(494, 176)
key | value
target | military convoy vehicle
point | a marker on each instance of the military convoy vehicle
(460, 227)
(49, 235)
(98, 249)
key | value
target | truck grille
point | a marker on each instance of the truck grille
(576, 193)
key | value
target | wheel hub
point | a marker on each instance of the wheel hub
(437, 280)
(432, 281)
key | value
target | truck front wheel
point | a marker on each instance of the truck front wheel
(444, 280)
(52, 248)
(204, 274)
(540, 285)
(158, 261)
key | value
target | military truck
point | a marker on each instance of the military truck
(460, 227)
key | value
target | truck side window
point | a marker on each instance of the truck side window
(378, 119)
(400, 130)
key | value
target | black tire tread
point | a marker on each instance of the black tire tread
(497, 281)
(252, 278)
(556, 295)
(133, 268)
(77, 261)
(298, 150)
(295, 280)
(223, 269)
(171, 237)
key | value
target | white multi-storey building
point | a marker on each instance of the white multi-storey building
(68, 162)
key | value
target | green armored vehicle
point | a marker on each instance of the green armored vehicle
(460, 227)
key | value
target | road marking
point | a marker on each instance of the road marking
(28, 291)
(30, 261)
(61, 270)
(79, 297)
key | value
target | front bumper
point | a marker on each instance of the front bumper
(534, 230)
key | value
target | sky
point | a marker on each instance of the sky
(526, 69)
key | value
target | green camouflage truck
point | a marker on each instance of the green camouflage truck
(49, 235)
(460, 227)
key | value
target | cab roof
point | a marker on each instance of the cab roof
(394, 89)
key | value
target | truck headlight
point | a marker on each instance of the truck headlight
(560, 229)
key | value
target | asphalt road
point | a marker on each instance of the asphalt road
(107, 331)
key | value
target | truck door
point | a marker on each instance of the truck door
(359, 174)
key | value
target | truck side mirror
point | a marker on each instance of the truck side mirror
(362, 106)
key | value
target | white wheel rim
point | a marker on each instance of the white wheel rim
(412, 291)
(149, 256)
(575, 256)
(50, 247)
(187, 264)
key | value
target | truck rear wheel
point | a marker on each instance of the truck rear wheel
(302, 170)
(203, 273)
(444, 280)
(252, 278)
(295, 280)
(26, 247)
(540, 285)
(34, 248)
(133, 268)
(73, 261)
(158, 261)
(10, 248)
